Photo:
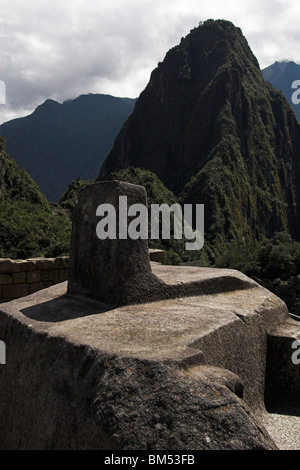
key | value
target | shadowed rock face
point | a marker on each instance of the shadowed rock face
(215, 132)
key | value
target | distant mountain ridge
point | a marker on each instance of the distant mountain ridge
(60, 142)
(282, 75)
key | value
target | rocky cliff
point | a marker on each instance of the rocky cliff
(215, 132)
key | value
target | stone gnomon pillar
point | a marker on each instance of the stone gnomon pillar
(113, 271)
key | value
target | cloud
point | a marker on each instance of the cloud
(58, 50)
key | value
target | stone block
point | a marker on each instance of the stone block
(45, 284)
(8, 266)
(182, 344)
(158, 256)
(6, 279)
(34, 287)
(15, 291)
(34, 276)
(49, 275)
(27, 265)
(19, 278)
(63, 274)
(45, 263)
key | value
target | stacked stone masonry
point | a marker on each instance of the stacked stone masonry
(19, 278)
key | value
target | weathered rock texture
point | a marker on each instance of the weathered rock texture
(113, 271)
(186, 373)
(287, 289)
(188, 369)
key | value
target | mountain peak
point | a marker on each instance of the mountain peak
(48, 104)
(216, 133)
(213, 43)
(197, 78)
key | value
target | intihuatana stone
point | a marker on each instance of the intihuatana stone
(114, 271)
(171, 358)
(117, 271)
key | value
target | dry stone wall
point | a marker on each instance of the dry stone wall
(19, 278)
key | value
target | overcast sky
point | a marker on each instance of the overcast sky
(60, 49)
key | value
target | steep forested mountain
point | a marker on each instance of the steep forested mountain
(216, 133)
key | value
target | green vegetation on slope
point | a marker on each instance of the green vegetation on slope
(29, 226)
(70, 196)
(278, 257)
(216, 133)
(157, 193)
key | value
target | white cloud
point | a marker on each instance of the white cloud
(60, 49)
